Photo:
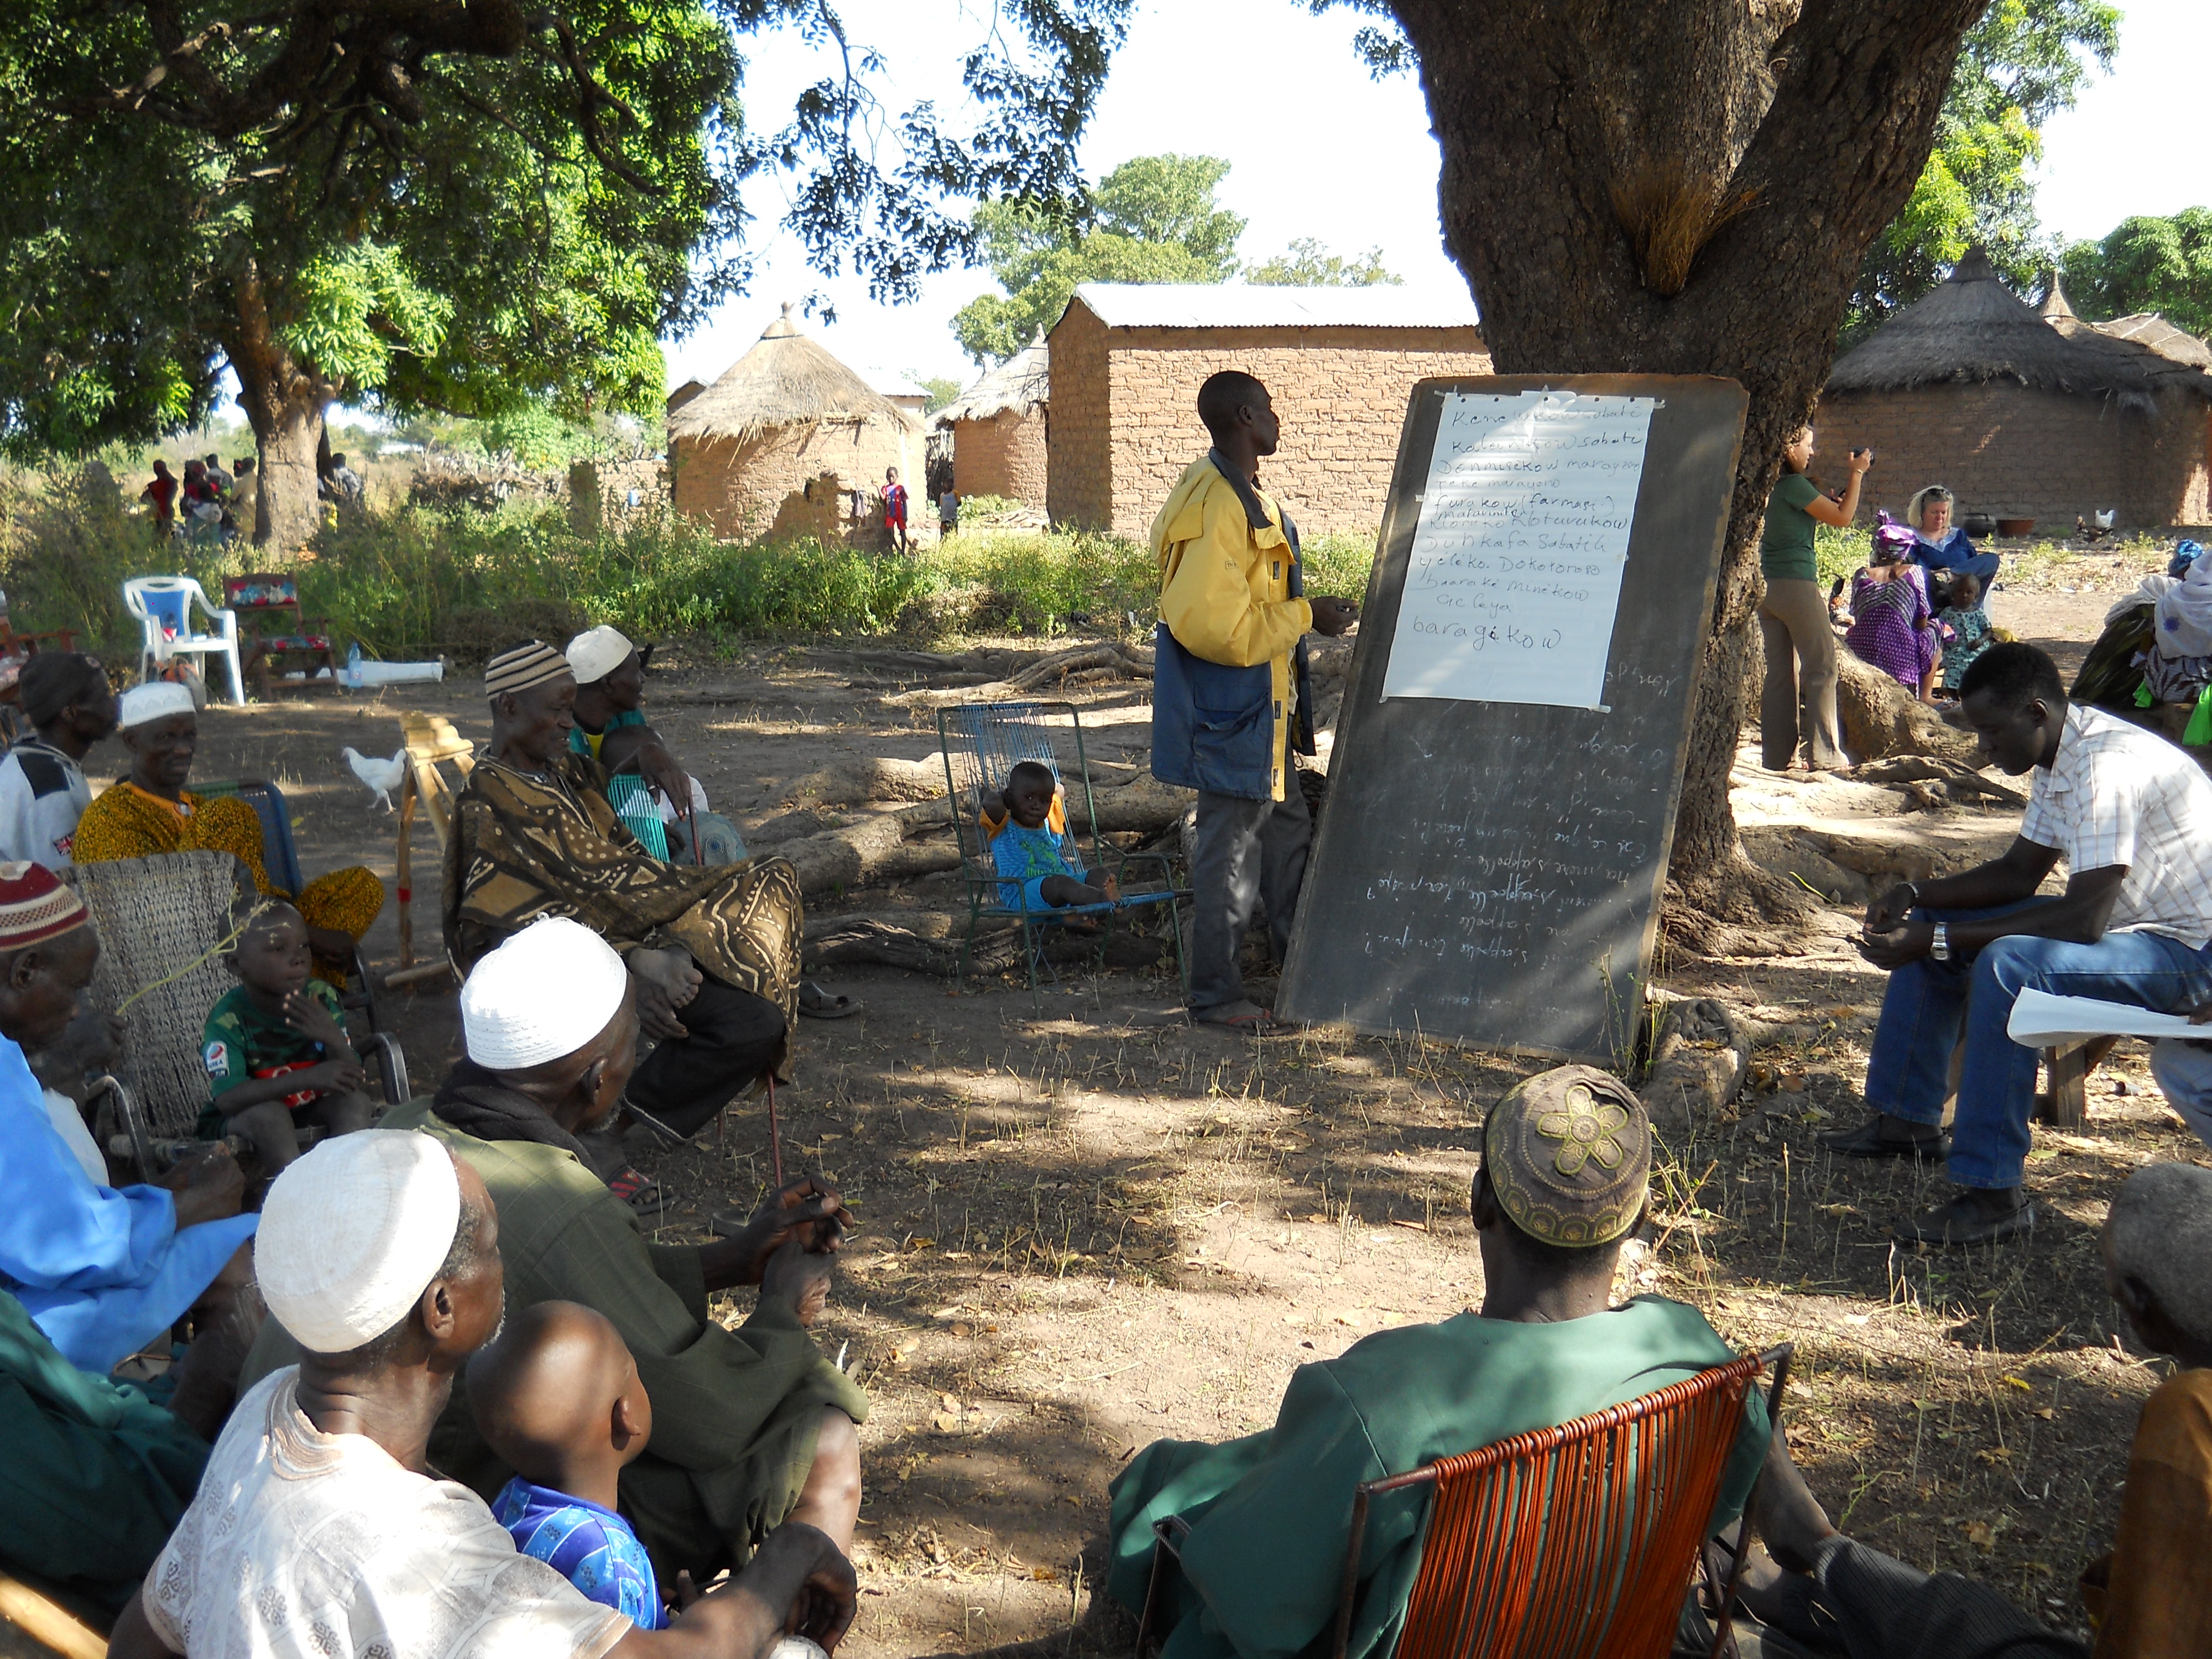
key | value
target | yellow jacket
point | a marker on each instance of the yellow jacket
(1225, 586)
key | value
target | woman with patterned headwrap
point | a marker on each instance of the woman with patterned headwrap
(714, 952)
(151, 812)
(1566, 1162)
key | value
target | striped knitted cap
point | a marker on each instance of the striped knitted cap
(34, 906)
(519, 667)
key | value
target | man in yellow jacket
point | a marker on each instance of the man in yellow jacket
(1230, 698)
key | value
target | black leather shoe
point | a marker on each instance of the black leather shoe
(1869, 1140)
(1974, 1216)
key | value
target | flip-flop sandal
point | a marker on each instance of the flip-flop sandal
(639, 1190)
(816, 1003)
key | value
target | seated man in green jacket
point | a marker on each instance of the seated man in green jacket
(95, 1475)
(751, 1427)
(1566, 1158)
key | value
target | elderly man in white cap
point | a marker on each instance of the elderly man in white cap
(663, 805)
(320, 1528)
(752, 1427)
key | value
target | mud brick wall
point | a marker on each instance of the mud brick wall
(2010, 452)
(1124, 414)
(1002, 456)
(738, 488)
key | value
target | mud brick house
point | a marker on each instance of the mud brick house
(789, 442)
(997, 430)
(1126, 362)
(2025, 415)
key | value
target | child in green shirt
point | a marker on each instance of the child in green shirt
(276, 1048)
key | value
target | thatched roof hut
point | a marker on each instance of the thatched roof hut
(789, 439)
(2023, 414)
(998, 426)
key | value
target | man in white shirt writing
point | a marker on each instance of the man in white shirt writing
(2131, 816)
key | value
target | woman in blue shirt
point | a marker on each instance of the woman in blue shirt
(1940, 545)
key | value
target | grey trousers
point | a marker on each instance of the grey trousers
(1862, 1604)
(1797, 704)
(1245, 850)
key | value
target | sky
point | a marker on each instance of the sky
(1342, 158)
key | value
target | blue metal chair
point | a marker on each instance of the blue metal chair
(981, 743)
(280, 856)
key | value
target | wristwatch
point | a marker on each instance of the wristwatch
(1940, 946)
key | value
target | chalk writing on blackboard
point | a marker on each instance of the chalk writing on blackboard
(1515, 572)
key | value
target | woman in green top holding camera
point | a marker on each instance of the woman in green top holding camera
(1798, 703)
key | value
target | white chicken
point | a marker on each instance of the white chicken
(381, 775)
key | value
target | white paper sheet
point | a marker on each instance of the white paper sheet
(1514, 574)
(2041, 1020)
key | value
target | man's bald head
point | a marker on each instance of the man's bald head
(557, 1392)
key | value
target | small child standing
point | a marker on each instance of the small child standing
(1969, 629)
(557, 1397)
(1040, 868)
(895, 500)
(276, 1048)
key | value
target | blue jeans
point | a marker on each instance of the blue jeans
(1928, 1000)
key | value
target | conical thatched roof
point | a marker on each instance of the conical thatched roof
(785, 380)
(1971, 328)
(2054, 305)
(1020, 383)
(2162, 354)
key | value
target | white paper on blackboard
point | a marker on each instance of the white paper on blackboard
(1515, 572)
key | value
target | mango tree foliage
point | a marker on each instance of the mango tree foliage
(459, 205)
(2024, 62)
(2147, 264)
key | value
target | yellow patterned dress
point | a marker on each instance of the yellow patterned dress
(126, 821)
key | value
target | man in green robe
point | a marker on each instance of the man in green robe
(752, 1427)
(94, 1474)
(1567, 1158)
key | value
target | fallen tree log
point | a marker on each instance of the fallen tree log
(917, 839)
(1099, 660)
(866, 780)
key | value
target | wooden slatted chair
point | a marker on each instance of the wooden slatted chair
(430, 739)
(1573, 1542)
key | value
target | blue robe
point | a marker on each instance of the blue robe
(101, 1271)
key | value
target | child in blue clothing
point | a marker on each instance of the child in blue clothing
(1040, 868)
(558, 1398)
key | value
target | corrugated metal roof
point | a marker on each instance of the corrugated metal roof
(1243, 305)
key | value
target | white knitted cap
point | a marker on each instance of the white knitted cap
(548, 991)
(156, 699)
(353, 1232)
(596, 654)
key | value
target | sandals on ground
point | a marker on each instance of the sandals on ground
(816, 1003)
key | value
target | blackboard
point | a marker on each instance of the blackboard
(1490, 871)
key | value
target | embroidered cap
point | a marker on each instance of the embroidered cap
(594, 655)
(517, 669)
(1569, 1155)
(353, 1232)
(35, 906)
(546, 992)
(155, 700)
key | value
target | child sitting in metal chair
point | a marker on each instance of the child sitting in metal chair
(1039, 864)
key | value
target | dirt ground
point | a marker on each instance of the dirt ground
(1085, 1226)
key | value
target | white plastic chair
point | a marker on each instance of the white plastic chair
(163, 605)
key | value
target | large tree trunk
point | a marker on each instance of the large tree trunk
(284, 400)
(1684, 186)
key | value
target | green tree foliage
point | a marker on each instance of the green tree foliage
(937, 391)
(463, 205)
(1150, 220)
(2024, 62)
(1307, 263)
(2147, 264)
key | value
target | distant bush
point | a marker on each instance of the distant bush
(416, 581)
